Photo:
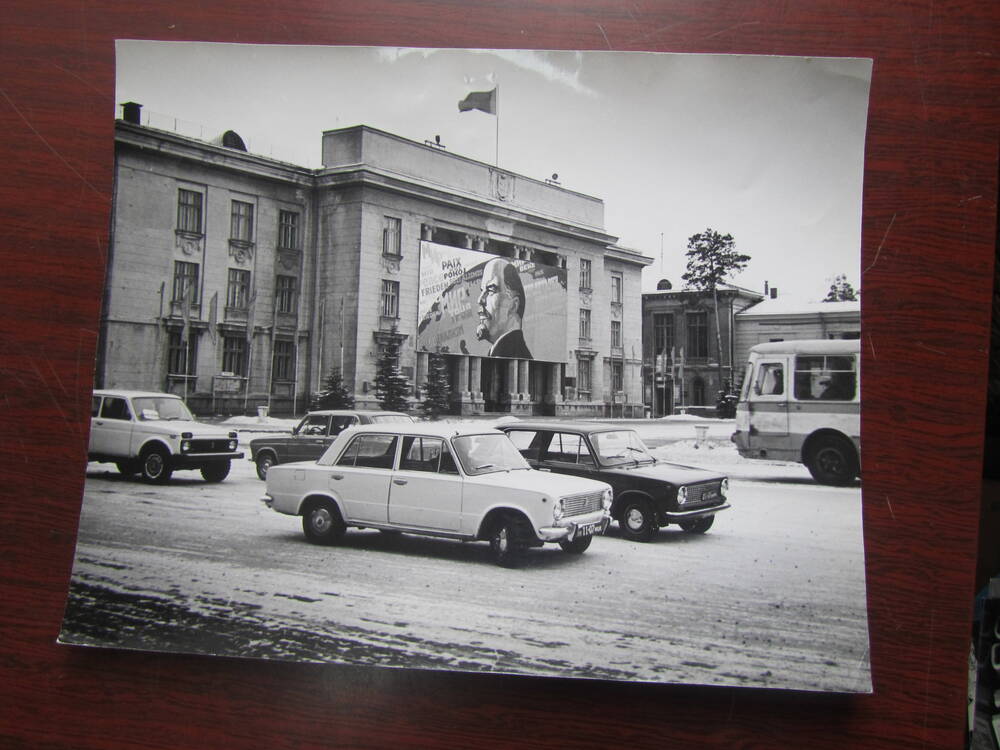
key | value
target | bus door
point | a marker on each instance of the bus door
(768, 404)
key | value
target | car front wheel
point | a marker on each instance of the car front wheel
(215, 472)
(264, 462)
(506, 544)
(155, 466)
(698, 525)
(636, 521)
(322, 522)
(578, 546)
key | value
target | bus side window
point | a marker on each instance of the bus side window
(770, 379)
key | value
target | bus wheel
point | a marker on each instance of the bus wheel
(831, 461)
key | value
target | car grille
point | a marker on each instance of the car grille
(707, 493)
(577, 505)
(220, 445)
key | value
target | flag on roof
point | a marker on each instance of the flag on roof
(485, 101)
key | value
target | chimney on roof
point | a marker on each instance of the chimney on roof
(766, 293)
(132, 112)
(774, 292)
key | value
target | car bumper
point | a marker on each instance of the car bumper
(687, 515)
(197, 460)
(569, 529)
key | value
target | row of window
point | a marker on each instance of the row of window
(238, 287)
(664, 338)
(182, 356)
(191, 219)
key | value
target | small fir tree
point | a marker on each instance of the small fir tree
(334, 394)
(841, 290)
(391, 387)
(437, 391)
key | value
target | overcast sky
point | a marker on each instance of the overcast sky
(768, 149)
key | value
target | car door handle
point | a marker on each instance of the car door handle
(542, 468)
(336, 476)
(400, 482)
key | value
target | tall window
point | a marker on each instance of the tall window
(617, 378)
(390, 299)
(584, 323)
(284, 294)
(181, 358)
(185, 281)
(284, 360)
(189, 211)
(584, 273)
(663, 333)
(238, 292)
(234, 355)
(241, 222)
(391, 236)
(616, 288)
(583, 376)
(288, 230)
(697, 334)
(616, 333)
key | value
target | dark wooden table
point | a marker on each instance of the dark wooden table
(928, 237)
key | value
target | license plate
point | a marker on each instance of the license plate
(588, 529)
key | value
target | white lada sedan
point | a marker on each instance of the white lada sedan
(439, 480)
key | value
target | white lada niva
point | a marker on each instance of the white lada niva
(153, 434)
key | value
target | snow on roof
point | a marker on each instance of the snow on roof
(798, 306)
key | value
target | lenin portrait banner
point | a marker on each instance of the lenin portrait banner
(486, 305)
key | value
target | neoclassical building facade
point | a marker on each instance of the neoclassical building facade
(241, 281)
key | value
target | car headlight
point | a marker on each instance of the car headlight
(724, 487)
(606, 497)
(682, 495)
(185, 446)
(557, 510)
(232, 445)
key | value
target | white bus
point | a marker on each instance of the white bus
(801, 401)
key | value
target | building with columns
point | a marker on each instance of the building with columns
(240, 281)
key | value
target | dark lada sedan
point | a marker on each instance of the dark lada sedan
(313, 435)
(648, 493)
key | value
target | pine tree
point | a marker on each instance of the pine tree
(391, 387)
(841, 290)
(437, 391)
(334, 394)
(711, 259)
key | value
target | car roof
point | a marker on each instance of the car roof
(581, 427)
(134, 394)
(429, 429)
(360, 412)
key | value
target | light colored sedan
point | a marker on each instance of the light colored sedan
(439, 480)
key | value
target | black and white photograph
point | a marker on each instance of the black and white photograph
(541, 363)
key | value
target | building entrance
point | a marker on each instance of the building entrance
(496, 390)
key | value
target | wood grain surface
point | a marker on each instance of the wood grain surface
(928, 240)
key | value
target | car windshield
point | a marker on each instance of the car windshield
(152, 408)
(390, 418)
(620, 447)
(485, 454)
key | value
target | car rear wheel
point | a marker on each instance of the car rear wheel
(832, 461)
(264, 462)
(698, 525)
(215, 472)
(322, 522)
(636, 521)
(155, 466)
(506, 543)
(578, 546)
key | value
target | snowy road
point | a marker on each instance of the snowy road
(772, 596)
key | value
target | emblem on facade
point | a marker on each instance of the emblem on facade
(390, 263)
(241, 252)
(585, 298)
(616, 310)
(502, 184)
(288, 259)
(189, 244)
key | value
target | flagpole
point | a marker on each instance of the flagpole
(498, 126)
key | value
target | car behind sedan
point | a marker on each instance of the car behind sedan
(648, 493)
(466, 483)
